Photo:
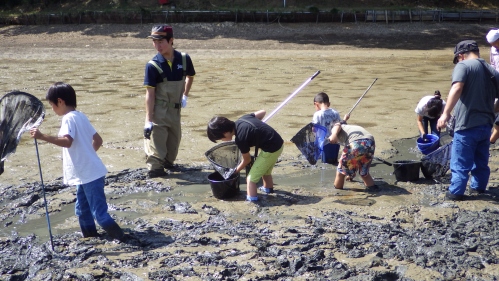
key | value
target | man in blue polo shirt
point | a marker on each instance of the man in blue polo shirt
(168, 80)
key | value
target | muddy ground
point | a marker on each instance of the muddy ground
(177, 229)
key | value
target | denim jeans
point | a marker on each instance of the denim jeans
(470, 153)
(433, 126)
(91, 204)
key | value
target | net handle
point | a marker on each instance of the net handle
(291, 96)
(355, 105)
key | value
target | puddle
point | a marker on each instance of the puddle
(39, 226)
(313, 180)
(356, 201)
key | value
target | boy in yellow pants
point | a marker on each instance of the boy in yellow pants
(250, 131)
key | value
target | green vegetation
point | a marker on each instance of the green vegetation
(18, 7)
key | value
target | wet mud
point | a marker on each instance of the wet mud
(195, 240)
(175, 227)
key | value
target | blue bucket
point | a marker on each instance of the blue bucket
(429, 144)
(320, 136)
(330, 153)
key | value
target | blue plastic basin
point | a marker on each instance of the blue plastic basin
(429, 144)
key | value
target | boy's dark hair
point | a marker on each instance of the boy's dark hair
(435, 105)
(321, 98)
(218, 126)
(61, 91)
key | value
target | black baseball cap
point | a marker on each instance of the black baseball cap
(464, 47)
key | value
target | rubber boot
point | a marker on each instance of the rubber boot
(89, 231)
(115, 231)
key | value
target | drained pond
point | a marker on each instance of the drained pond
(176, 228)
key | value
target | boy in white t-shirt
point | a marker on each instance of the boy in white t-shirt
(326, 116)
(82, 167)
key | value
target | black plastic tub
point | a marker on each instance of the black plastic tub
(224, 188)
(406, 170)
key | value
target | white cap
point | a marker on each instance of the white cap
(493, 36)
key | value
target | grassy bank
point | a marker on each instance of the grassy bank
(20, 7)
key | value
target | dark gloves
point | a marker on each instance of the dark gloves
(148, 130)
(424, 136)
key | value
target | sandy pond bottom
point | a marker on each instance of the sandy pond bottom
(176, 229)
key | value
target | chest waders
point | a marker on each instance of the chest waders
(162, 148)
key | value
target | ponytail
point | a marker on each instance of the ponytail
(435, 105)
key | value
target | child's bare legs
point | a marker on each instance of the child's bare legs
(251, 188)
(368, 180)
(268, 182)
(349, 178)
(339, 181)
(495, 134)
(262, 168)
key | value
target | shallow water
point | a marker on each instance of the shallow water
(317, 180)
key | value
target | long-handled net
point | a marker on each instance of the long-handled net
(19, 112)
(437, 163)
(224, 157)
(216, 154)
(310, 141)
